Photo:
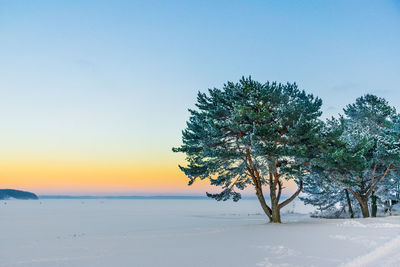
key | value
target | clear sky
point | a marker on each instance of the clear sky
(93, 94)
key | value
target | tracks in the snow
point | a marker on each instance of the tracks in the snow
(378, 256)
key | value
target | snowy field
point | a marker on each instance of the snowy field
(186, 233)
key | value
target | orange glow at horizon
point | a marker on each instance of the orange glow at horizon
(103, 177)
(76, 177)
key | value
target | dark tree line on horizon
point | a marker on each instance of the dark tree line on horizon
(262, 134)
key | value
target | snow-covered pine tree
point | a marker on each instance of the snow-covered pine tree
(361, 148)
(331, 200)
(388, 192)
(249, 133)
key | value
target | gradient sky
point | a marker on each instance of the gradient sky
(93, 94)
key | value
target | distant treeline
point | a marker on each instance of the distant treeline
(17, 194)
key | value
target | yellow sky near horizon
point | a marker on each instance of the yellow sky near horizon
(89, 176)
(102, 177)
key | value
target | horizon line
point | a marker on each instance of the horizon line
(127, 197)
(135, 197)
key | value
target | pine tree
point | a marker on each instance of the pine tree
(361, 149)
(388, 192)
(249, 133)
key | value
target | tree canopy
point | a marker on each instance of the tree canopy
(252, 133)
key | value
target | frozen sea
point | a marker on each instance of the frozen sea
(187, 232)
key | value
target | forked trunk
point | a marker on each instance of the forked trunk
(273, 213)
(363, 201)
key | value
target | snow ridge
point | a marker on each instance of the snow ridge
(376, 254)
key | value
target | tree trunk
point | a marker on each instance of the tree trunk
(274, 195)
(374, 207)
(264, 205)
(363, 201)
(276, 212)
(349, 204)
(364, 207)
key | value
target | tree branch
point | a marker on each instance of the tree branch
(287, 201)
(372, 188)
(373, 175)
(279, 190)
(260, 194)
(355, 194)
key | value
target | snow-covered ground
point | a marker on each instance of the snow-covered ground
(186, 233)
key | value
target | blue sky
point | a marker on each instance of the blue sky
(113, 79)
